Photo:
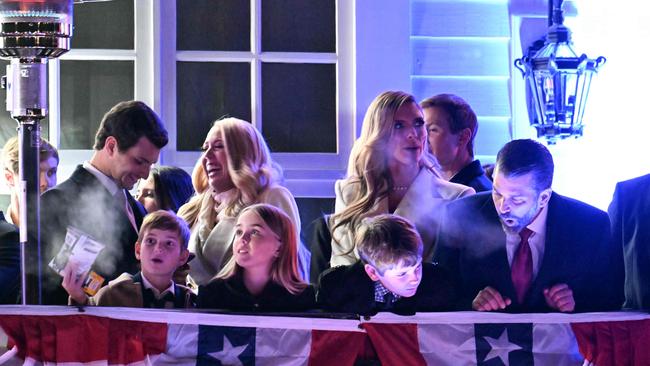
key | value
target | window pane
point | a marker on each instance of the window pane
(206, 92)
(299, 26)
(8, 125)
(88, 90)
(103, 24)
(299, 107)
(213, 25)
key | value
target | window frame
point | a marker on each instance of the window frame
(306, 174)
(155, 56)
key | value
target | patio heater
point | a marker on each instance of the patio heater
(31, 33)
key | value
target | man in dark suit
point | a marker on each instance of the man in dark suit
(9, 262)
(525, 248)
(95, 199)
(451, 128)
(630, 216)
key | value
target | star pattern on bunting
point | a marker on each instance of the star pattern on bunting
(501, 347)
(229, 354)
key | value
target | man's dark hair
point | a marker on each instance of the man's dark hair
(128, 122)
(461, 115)
(520, 157)
(172, 186)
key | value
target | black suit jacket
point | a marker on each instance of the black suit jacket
(578, 251)
(473, 175)
(9, 262)
(84, 203)
(348, 289)
(231, 294)
(630, 216)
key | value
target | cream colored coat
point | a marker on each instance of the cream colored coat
(213, 253)
(422, 205)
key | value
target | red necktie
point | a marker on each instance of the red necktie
(522, 266)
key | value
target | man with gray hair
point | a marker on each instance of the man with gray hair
(525, 248)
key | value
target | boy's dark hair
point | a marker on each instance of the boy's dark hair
(520, 157)
(168, 221)
(385, 241)
(128, 122)
(460, 112)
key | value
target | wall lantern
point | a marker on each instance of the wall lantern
(558, 81)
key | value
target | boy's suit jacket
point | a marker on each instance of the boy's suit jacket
(348, 289)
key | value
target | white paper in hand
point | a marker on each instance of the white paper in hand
(78, 248)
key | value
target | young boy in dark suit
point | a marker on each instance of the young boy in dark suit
(161, 249)
(389, 276)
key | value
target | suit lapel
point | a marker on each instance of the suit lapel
(554, 252)
(84, 178)
(137, 208)
(420, 206)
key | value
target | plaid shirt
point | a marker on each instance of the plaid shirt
(381, 291)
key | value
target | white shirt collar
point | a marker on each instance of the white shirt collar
(106, 181)
(156, 293)
(537, 241)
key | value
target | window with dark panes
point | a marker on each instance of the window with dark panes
(103, 25)
(88, 90)
(217, 25)
(298, 26)
(300, 118)
(207, 91)
(98, 72)
(290, 90)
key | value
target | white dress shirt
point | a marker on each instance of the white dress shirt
(536, 240)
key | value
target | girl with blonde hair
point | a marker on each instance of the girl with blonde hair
(262, 274)
(390, 171)
(236, 165)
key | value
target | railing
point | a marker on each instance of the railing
(143, 336)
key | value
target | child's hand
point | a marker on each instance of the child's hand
(72, 284)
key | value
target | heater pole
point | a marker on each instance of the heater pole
(30, 248)
(31, 32)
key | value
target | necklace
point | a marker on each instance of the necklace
(399, 188)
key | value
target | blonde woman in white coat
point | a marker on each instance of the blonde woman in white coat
(390, 171)
(237, 165)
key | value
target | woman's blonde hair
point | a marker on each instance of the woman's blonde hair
(250, 168)
(368, 162)
(284, 270)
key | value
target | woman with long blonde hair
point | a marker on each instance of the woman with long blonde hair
(235, 171)
(390, 171)
(262, 274)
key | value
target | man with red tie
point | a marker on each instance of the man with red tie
(524, 248)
